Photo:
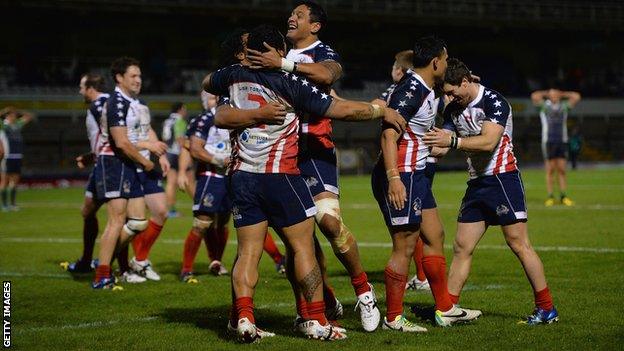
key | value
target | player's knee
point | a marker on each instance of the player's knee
(462, 249)
(328, 217)
(134, 226)
(201, 225)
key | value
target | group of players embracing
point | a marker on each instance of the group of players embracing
(280, 170)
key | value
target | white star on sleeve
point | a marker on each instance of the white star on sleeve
(304, 82)
(487, 93)
(99, 109)
(121, 122)
(409, 95)
(493, 96)
(119, 113)
(413, 87)
(120, 105)
(493, 120)
(97, 103)
(497, 113)
(497, 103)
(402, 103)
(314, 89)
(323, 96)
(294, 77)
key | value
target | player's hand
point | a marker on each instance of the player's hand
(269, 60)
(437, 137)
(272, 113)
(84, 160)
(148, 165)
(393, 118)
(396, 193)
(157, 147)
(164, 164)
(183, 181)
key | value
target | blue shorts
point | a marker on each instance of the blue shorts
(419, 197)
(430, 169)
(211, 195)
(90, 191)
(173, 160)
(496, 199)
(12, 165)
(116, 178)
(554, 150)
(281, 199)
(320, 171)
(151, 182)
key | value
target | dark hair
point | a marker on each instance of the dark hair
(176, 106)
(426, 49)
(317, 14)
(95, 81)
(232, 46)
(265, 33)
(120, 66)
(456, 71)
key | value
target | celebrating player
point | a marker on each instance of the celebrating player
(554, 106)
(317, 62)
(404, 194)
(266, 181)
(482, 121)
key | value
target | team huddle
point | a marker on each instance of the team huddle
(264, 156)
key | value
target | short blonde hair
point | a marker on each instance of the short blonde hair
(404, 60)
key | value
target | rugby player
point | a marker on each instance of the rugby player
(320, 64)
(404, 194)
(266, 181)
(554, 106)
(481, 119)
(12, 121)
(173, 132)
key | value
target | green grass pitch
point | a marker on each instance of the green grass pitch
(582, 249)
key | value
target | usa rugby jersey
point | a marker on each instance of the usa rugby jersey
(488, 106)
(124, 111)
(415, 101)
(94, 113)
(268, 148)
(554, 119)
(217, 142)
(173, 127)
(316, 128)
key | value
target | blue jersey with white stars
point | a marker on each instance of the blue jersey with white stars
(268, 148)
(316, 129)
(217, 141)
(416, 102)
(122, 110)
(94, 114)
(491, 107)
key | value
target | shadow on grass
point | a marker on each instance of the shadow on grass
(215, 318)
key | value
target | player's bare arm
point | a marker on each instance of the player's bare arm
(572, 96)
(347, 110)
(487, 141)
(397, 195)
(200, 154)
(153, 144)
(83, 160)
(120, 136)
(322, 73)
(184, 162)
(538, 97)
(229, 117)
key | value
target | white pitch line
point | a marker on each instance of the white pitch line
(42, 275)
(96, 324)
(360, 244)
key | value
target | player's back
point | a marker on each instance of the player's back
(93, 122)
(268, 148)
